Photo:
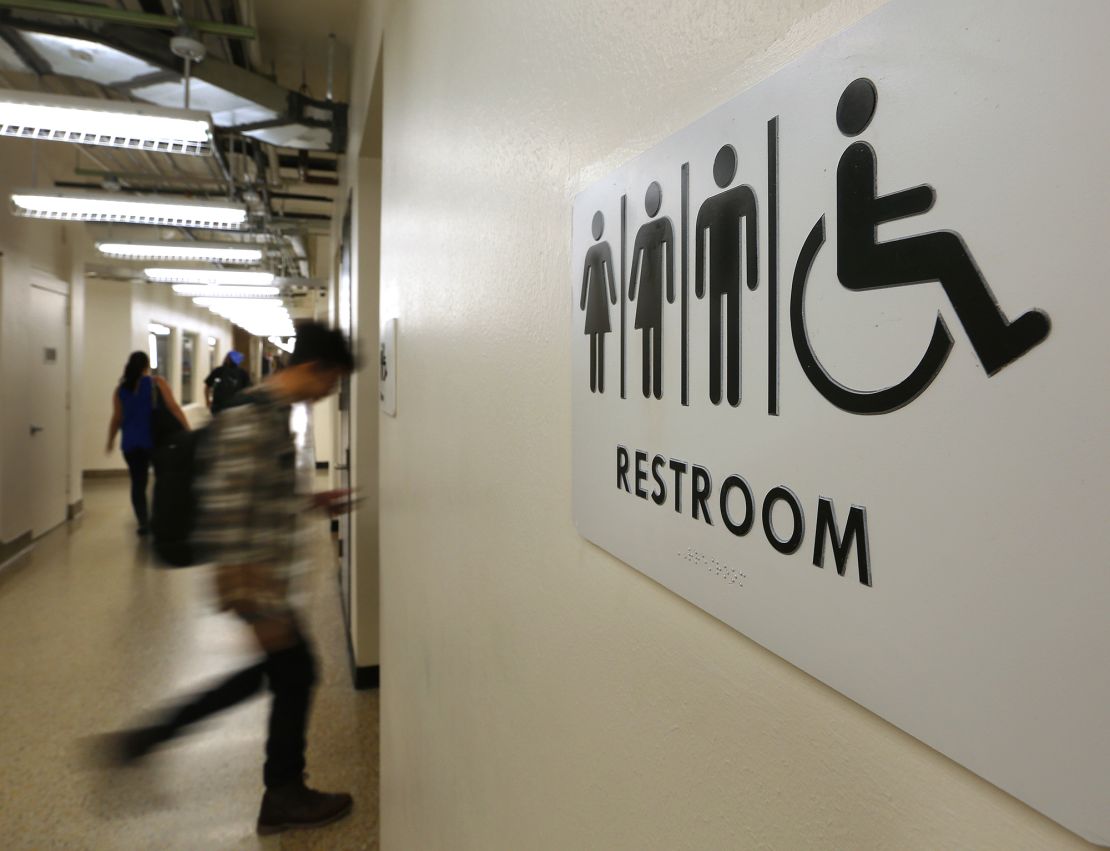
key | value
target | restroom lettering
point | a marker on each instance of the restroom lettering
(736, 508)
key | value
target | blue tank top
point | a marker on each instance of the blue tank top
(136, 415)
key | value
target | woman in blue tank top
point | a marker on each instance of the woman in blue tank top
(133, 405)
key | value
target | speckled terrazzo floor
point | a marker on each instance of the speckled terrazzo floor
(92, 636)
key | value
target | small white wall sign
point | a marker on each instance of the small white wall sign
(840, 379)
(387, 367)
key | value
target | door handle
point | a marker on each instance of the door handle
(36, 429)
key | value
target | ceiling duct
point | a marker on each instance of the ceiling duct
(140, 64)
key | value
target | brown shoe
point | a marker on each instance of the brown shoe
(295, 805)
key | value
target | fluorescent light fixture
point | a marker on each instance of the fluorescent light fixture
(230, 304)
(264, 327)
(284, 345)
(203, 291)
(77, 206)
(95, 121)
(212, 277)
(259, 317)
(158, 328)
(207, 252)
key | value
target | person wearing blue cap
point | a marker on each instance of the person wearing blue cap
(225, 381)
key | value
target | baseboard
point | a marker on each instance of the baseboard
(363, 677)
(15, 549)
(322, 465)
(367, 677)
(104, 474)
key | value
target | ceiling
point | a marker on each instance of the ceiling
(292, 39)
(240, 81)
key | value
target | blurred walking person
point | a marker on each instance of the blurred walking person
(247, 526)
(135, 404)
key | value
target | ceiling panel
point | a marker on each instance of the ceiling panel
(75, 57)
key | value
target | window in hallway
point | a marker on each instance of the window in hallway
(188, 352)
(158, 341)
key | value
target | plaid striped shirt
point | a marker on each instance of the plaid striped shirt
(248, 504)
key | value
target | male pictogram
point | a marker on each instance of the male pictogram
(597, 276)
(652, 262)
(864, 263)
(721, 218)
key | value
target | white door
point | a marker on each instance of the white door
(48, 414)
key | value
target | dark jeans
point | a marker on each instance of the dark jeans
(138, 465)
(291, 675)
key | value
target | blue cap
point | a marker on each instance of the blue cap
(236, 357)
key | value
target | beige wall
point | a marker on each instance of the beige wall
(77, 371)
(108, 341)
(365, 405)
(536, 692)
(117, 316)
(27, 246)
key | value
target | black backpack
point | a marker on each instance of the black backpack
(174, 511)
(177, 467)
(226, 384)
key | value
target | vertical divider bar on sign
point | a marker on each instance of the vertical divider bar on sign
(773, 266)
(623, 283)
(684, 307)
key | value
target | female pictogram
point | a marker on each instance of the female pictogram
(597, 276)
(652, 264)
(721, 218)
(864, 263)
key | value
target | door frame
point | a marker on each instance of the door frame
(343, 426)
(41, 279)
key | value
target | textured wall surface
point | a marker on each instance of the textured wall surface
(536, 692)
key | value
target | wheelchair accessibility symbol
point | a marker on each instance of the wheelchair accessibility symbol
(864, 263)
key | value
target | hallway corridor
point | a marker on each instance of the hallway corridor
(93, 636)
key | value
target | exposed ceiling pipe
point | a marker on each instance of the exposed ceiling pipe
(300, 224)
(301, 196)
(300, 252)
(29, 58)
(225, 169)
(274, 169)
(128, 17)
(311, 163)
(191, 189)
(254, 49)
(228, 52)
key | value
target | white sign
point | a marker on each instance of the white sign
(387, 368)
(840, 379)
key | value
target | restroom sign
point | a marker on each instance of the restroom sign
(839, 378)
